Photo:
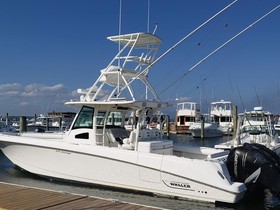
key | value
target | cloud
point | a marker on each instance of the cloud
(24, 103)
(34, 98)
(10, 89)
(36, 90)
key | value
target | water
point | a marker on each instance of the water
(11, 174)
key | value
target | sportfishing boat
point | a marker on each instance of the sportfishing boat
(221, 113)
(97, 149)
(254, 153)
(255, 126)
(186, 114)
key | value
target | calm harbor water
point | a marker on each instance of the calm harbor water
(11, 174)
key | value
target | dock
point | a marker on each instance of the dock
(14, 197)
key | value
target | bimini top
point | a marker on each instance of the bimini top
(221, 102)
(144, 39)
(258, 111)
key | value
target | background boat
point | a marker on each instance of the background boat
(186, 114)
(221, 112)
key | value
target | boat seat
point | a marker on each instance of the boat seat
(128, 143)
(118, 134)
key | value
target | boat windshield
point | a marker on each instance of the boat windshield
(258, 118)
(254, 128)
(188, 106)
(85, 118)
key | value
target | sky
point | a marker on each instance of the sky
(50, 48)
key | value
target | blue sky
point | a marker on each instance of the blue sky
(50, 48)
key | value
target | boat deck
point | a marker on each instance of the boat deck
(20, 197)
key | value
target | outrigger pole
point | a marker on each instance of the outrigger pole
(175, 45)
(221, 46)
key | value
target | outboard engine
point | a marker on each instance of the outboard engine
(255, 165)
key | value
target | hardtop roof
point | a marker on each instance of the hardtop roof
(142, 39)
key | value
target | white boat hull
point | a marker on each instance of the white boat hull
(114, 167)
(196, 133)
(210, 130)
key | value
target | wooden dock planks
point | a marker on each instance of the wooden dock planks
(14, 197)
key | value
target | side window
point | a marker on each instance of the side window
(85, 118)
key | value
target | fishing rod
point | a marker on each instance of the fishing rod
(175, 45)
(241, 99)
(220, 47)
(257, 96)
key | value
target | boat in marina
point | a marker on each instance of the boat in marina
(6, 128)
(97, 149)
(218, 123)
(210, 130)
(255, 150)
(221, 112)
(186, 114)
(54, 121)
(255, 126)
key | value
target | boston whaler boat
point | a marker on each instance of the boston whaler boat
(97, 150)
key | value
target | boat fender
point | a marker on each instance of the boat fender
(256, 160)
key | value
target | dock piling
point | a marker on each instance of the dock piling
(202, 128)
(22, 124)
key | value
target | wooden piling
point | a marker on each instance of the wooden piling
(60, 123)
(167, 126)
(175, 123)
(7, 118)
(235, 125)
(48, 124)
(22, 124)
(202, 128)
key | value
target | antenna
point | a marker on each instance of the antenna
(120, 27)
(148, 19)
(278, 92)
(155, 29)
(257, 96)
(119, 60)
(240, 98)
